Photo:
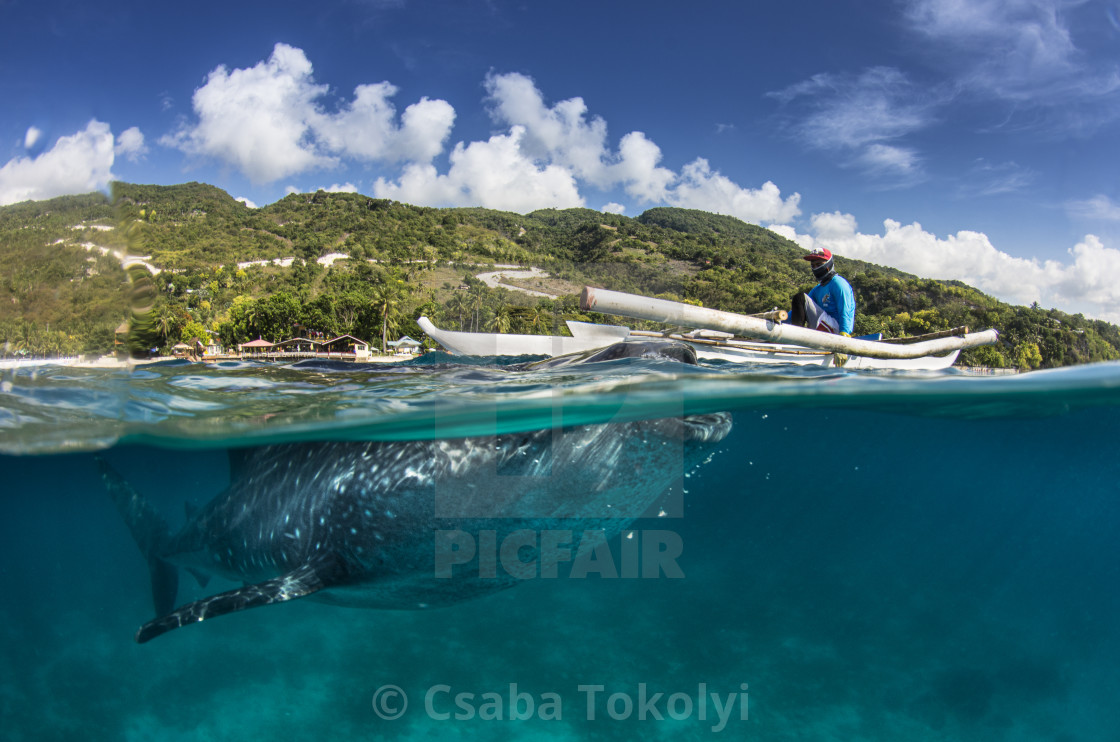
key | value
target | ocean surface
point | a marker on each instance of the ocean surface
(865, 557)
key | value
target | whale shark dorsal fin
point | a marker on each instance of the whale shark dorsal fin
(323, 572)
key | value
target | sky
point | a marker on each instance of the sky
(976, 140)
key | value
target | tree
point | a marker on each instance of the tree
(169, 323)
(1027, 356)
(459, 302)
(194, 329)
(386, 304)
(501, 321)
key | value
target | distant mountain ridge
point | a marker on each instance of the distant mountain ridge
(58, 293)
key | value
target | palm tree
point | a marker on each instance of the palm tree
(475, 304)
(386, 303)
(459, 303)
(502, 320)
(166, 324)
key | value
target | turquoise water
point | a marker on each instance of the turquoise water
(865, 557)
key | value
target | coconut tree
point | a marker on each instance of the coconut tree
(502, 320)
(387, 300)
(459, 302)
(475, 306)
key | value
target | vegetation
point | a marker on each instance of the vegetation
(63, 291)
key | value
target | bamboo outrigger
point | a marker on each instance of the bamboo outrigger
(718, 339)
(687, 315)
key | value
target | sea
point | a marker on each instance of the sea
(865, 556)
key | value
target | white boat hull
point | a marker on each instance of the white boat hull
(588, 336)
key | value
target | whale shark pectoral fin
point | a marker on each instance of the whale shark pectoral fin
(312, 577)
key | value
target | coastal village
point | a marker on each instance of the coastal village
(341, 348)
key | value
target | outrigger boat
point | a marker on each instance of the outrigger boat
(723, 336)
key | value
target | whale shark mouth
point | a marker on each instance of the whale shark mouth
(710, 428)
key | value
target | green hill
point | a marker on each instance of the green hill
(59, 294)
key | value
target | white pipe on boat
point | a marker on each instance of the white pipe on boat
(687, 315)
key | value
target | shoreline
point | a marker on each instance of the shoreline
(116, 363)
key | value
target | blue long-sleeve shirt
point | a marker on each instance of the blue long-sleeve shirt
(837, 298)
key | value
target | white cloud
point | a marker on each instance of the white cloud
(613, 208)
(1090, 279)
(891, 160)
(367, 129)
(32, 137)
(130, 144)
(565, 135)
(78, 163)
(341, 188)
(267, 122)
(1012, 46)
(246, 201)
(638, 171)
(549, 151)
(258, 119)
(1022, 52)
(858, 117)
(1097, 207)
(1083, 285)
(493, 174)
(701, 188)
(562, 134)
(987, 179)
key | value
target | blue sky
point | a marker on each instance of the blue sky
(967, 139)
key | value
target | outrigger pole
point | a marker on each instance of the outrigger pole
(687, 315)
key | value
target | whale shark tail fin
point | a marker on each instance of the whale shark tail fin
(323, 572)
(150, 532)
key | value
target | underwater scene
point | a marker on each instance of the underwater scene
(609, 549)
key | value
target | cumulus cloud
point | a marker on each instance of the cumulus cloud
(78, 163)
(130, 144)
(562, 134)
(267, 121)
(637, 169)
(701, 188)
(550, 150)
(1084, 284)
(493, 174)
(566, 135)
(32, 137)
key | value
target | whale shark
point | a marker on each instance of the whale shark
(366, 523)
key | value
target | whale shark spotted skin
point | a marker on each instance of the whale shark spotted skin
(357, 523)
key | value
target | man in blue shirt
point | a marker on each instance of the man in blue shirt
(830, 306)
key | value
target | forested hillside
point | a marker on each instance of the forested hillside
(370, 267)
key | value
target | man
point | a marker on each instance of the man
(830, 306)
